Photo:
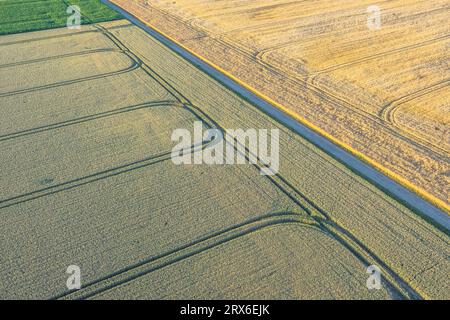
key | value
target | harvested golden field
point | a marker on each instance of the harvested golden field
(366, 87)
(87, 180)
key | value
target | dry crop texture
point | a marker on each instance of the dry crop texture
(383, 93)
(86, 179)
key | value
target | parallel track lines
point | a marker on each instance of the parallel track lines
(304, 203)
(57, 57)
(52, 37)
(37, 39)
(412, 292)
(133, 66)
(96, 176)
(52, 126)
(206, 243)
(389, 112)
(185, 251)
(388, 172)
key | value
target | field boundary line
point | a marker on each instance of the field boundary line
(443, 209)
(339, 232)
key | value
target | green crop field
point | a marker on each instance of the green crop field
(31, 15)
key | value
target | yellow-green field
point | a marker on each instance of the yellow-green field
(87, 180)
(383, 93)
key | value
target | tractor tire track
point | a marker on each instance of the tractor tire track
(202, 244)
(97, 176)
(326, 222)
(389, 112)
(57, 57)
(51, 37)
(85, 180)
(307, 83)
(83, 119)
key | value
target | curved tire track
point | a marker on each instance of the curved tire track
(205, 244)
